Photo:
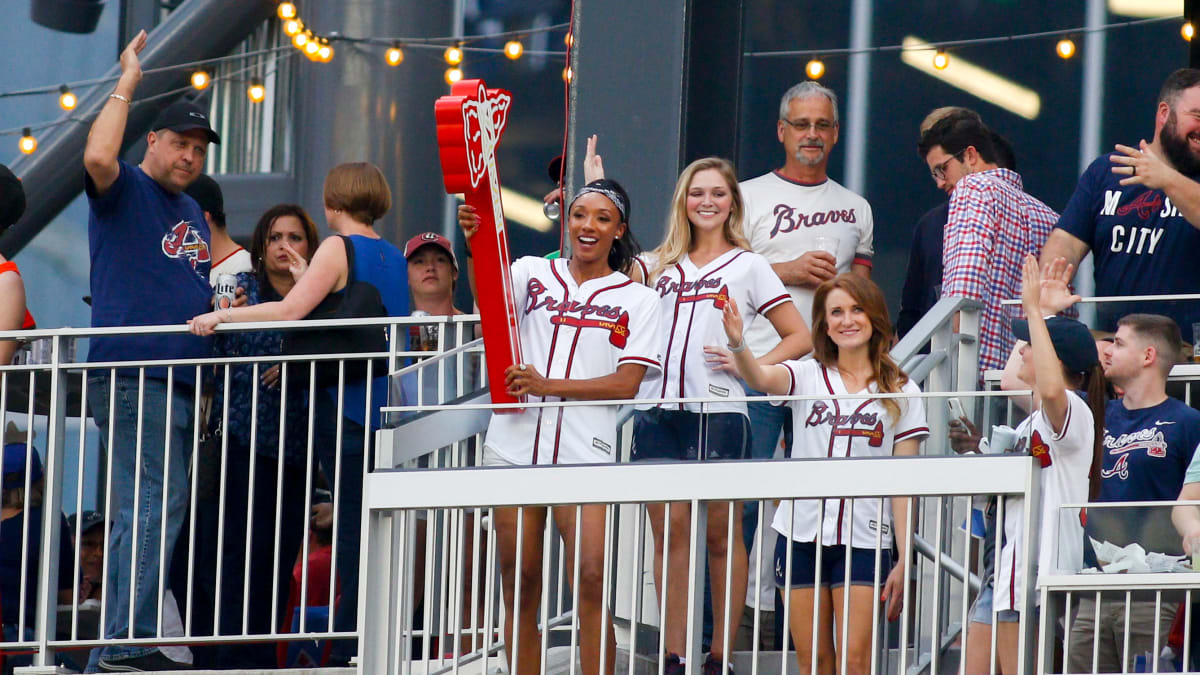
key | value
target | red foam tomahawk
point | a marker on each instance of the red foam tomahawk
(469, 123)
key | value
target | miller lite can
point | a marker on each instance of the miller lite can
(224, 291)
(422, 337)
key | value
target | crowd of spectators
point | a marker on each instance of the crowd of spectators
(774, 276)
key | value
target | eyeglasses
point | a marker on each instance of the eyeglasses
(822, 126)
(939, 170)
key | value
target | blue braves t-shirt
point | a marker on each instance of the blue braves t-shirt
(150, 263)
(1142, 245)
(1147, 451)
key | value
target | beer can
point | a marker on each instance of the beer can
(416, 338)
(224, 291)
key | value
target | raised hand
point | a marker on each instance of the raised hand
(468, 220)
(1031, 286)
(131, 65)
(1056, 295)
(593, 166)
(732, 321)
(1142, 166)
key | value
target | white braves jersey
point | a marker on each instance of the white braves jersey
(691, 306)
(783, 218)
(573, 331)
(845, 427)
(1066, 459)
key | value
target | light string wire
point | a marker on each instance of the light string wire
(80, 119)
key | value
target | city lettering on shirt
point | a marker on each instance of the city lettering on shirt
(787, 219)
(613, 319)
(843, 425)
(1133, 239)
(185, 241)
(719, 297)
(1150, 439)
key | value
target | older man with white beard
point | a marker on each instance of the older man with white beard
(810, 228)
(1138, 212)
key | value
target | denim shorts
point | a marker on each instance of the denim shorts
(981, 611)
(682, 435)
(833, 565)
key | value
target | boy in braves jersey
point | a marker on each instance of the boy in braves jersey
(1149, 440)
(851, 336)
(703, 264)
(1137, 212)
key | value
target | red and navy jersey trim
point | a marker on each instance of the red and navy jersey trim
(773, 303)
(912, 432)
(640, 359)
(862, 259)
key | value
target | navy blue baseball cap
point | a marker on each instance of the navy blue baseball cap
(184, 116)
(1072, 341)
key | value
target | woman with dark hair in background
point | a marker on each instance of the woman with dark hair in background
(594, 332)
(356, 195)
(268, 473)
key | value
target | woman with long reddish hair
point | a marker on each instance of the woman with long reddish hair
(851, 334)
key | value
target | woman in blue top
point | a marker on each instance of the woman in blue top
(356, 195)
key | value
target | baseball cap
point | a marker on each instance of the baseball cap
(1072, 341)
(184, 116)
(86, 519)
(430, 239)
(12, 197)
(14, 459)
(207, 193)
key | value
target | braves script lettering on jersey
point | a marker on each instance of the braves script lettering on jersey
(1065, 459)
(1140, 242)
(843, 427)
(1147, 450)
(783, 220)
(691, 304)
(574, 331)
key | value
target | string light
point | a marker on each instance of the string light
(256, 92)
(299, 40)
(293, 27)
(1188, 31)
(311, 48)
(286, 10)
(513, 49)
(394, 55)
(941, 60)
(1065, 48)
(201, 79)
(568, 74)
(453, 75)
(569, 40)
(814, 69)
(66, 99)
(453, 55)
(28, 143)
(325, 52)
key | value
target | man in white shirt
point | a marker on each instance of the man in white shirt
(811, 229)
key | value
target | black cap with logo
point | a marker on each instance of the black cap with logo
(184, 116)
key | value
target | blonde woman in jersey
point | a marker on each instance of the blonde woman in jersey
(851, 334)
(702, 265)
(1064, 433)
(594, 334)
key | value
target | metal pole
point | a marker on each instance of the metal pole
(858, 97)
(1090, 121)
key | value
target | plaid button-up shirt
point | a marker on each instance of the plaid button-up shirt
(993, 223)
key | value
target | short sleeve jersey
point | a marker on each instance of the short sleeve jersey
(150, 264)
(783, 220)
(1065, 459)
(691, 306)
(1147, 451)
(574, 331)
(1141, 244)
(843, 427)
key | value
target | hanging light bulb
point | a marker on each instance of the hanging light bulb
(293, 27)
(28, 143)
(569, 40)
(1188, 31)
(286, 10)
(66, 99)
(568, 74)
(256, 92)
(453, 55)
(311, 48)
(201, 79)
(453, 75)
(814, 69)
(513, 49)
(299, 40)
(325, 52)
(394, 55)
(941, 60)
(1065, 48)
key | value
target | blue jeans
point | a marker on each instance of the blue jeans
(766, 421)
(134, 544)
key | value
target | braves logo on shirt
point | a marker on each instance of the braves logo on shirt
(787, 220)
(844, 425)
(614, 319)
(1150, 439)
(696, 289)
(185, 241)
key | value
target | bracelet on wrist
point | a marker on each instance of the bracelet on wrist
(120, 98)
(741, 346)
